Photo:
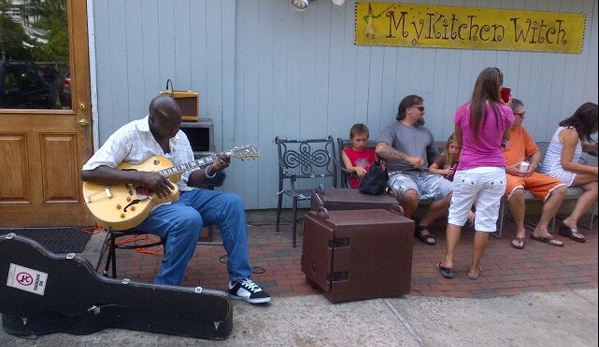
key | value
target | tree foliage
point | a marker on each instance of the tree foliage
(51, 17)
(12, 37)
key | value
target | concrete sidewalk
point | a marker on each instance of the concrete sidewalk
(557, 319)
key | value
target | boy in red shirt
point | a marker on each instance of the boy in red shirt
(358, 158)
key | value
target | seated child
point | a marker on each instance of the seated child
(358, 158)
(446, 163)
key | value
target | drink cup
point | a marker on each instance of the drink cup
(524, 166)
(505, 94)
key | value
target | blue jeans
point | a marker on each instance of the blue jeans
(181, 223)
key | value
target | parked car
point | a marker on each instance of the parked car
(64, 91)
(23, 84)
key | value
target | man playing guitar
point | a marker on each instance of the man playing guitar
(178, 220)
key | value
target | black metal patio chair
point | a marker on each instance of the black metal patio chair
(304, 165)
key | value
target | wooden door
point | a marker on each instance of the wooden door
(42, 150)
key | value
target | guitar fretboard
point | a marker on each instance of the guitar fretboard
(192, 165)
(248, 151)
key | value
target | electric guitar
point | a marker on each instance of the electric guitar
(124, 206)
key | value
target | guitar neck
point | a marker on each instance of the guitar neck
(189, 166)
(248, 151)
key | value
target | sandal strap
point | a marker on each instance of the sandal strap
(424, 236)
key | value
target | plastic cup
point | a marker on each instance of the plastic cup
(505, 94)
(524, 166)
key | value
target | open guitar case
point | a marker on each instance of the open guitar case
(44, 293)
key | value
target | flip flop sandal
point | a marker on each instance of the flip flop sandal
(518, 240)
(569, 233)
(548, 240)
(428, 239)
(445, 271)
(474, 277)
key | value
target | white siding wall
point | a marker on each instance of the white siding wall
(265, 70)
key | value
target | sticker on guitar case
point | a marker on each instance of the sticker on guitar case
(24, 278)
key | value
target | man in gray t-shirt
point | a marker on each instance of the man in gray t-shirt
(407, 145)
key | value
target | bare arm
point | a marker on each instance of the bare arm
(198, 178)
(569, 138)
(111, 176)
(360, 171)
(459, 137)
(589, 147)
(385, 151)
(535, 159)
(506, 134)
(435, 169)
(347, 162)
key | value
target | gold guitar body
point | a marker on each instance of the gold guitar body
(124, 206)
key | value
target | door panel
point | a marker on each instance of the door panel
(58, 188)
(13, 158)
(42, 150)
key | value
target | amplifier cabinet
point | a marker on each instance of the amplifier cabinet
(189, 103)
(357, 254)
(201, 136)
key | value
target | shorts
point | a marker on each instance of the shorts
(486, 186)
(428, 186)
(565, 176)
(540, 185)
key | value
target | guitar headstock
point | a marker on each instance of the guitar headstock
(243, 152)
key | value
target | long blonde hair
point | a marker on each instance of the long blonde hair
(445, 153)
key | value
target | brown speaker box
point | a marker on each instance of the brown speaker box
(189, 102)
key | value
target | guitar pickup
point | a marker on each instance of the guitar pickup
(88, 199)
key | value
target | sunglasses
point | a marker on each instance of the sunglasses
(420, 108)
(500, 75)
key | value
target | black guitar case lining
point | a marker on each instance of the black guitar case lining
(43, 293)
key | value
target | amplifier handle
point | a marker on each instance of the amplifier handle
(322, 212)
(396, 208)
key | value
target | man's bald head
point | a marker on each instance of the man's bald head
(164, 108)
(165, 117)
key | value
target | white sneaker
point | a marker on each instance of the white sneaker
(249, 291)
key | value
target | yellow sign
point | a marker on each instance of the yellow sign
(399, 24)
